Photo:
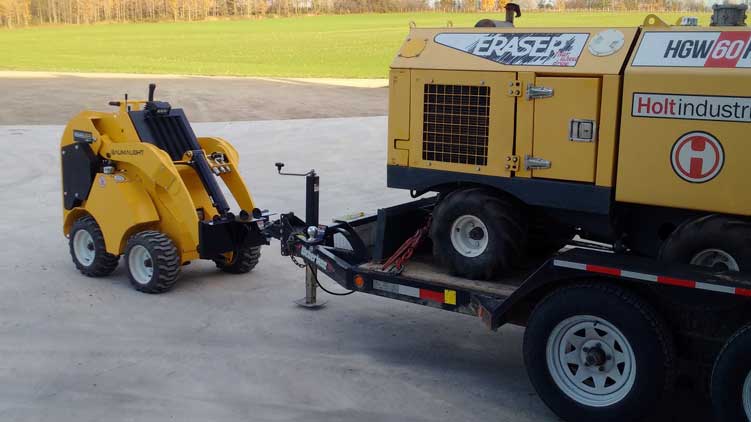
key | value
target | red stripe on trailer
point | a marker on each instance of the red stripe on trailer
(676, 282)
(431, 295)
(603, 270)
(743, 292)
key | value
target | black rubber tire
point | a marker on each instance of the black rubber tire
(242, 262)
(165, 261)
(104, 263)
(506, 231)
(732, 235)
(648, 335)
(729, 234)
(731, 368)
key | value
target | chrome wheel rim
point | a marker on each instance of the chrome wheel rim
(591, 361)
(83, 247)
(716, 259)
(469, 236)
(747, 396)
(140, 264)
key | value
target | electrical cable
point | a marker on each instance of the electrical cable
(315, 277)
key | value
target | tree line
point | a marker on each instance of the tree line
(14, 13)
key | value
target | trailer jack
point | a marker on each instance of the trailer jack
(310, 301)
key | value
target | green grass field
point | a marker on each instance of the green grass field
(348, 46)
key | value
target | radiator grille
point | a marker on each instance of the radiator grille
(455, 124)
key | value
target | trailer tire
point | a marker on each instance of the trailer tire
(730, 387)
(241, 262)
(153, 262)
(599, 329)
(88, 250)
(477, 234)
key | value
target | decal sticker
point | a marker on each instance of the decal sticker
(83, 136)
(320, 262)
(119, 178)
(697, 157)
(521, 49)
(692, 107)
(695, 49)
(127, 152)
(102, 182)
(606, 43)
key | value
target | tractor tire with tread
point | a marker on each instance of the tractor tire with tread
(717, 232)
(242, 261)
(502, 223)
(646, 347)
(101, 263)
(160, 266)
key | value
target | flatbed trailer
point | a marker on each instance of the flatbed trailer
(696, 318)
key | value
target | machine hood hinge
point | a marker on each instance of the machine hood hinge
(536, 92)
(512, 163)
(536, 163)
(514, 88)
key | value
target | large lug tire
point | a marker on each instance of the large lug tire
(596, 352)
(153, 262)
(240, 262)
(731, 379)
(477, 234)
(88, 250)
(714, 241)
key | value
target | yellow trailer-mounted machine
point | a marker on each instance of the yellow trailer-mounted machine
(629, 135)
(634, 139)
(139, 183)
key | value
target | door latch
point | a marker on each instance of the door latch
(535, 92)
(582, 130)
(536, 163)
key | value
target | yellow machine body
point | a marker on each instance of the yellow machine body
(501, 105)
(147, 189)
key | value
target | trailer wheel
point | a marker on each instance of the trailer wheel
(240, 262)
(88, 250)
(714, 241)
(477, 234)
(596, 352)
(153, 262)
(731, 379)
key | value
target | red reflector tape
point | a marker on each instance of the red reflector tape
(604, 270)
(676, 282)
(431, 295)
(743, 292)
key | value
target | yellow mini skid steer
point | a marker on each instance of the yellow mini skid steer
(139, 183)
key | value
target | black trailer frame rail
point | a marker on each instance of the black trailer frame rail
(494, 305)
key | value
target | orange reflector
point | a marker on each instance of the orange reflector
(359, 282)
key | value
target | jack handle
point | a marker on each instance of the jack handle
(152, 88)
(279, 166)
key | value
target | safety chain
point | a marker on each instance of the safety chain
(291, 241)
(395, 264)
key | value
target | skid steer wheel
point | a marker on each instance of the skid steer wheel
(596, 352)
(88, 250)
(240, 262)
(731, 379)
(477, 234)
(153, 262)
